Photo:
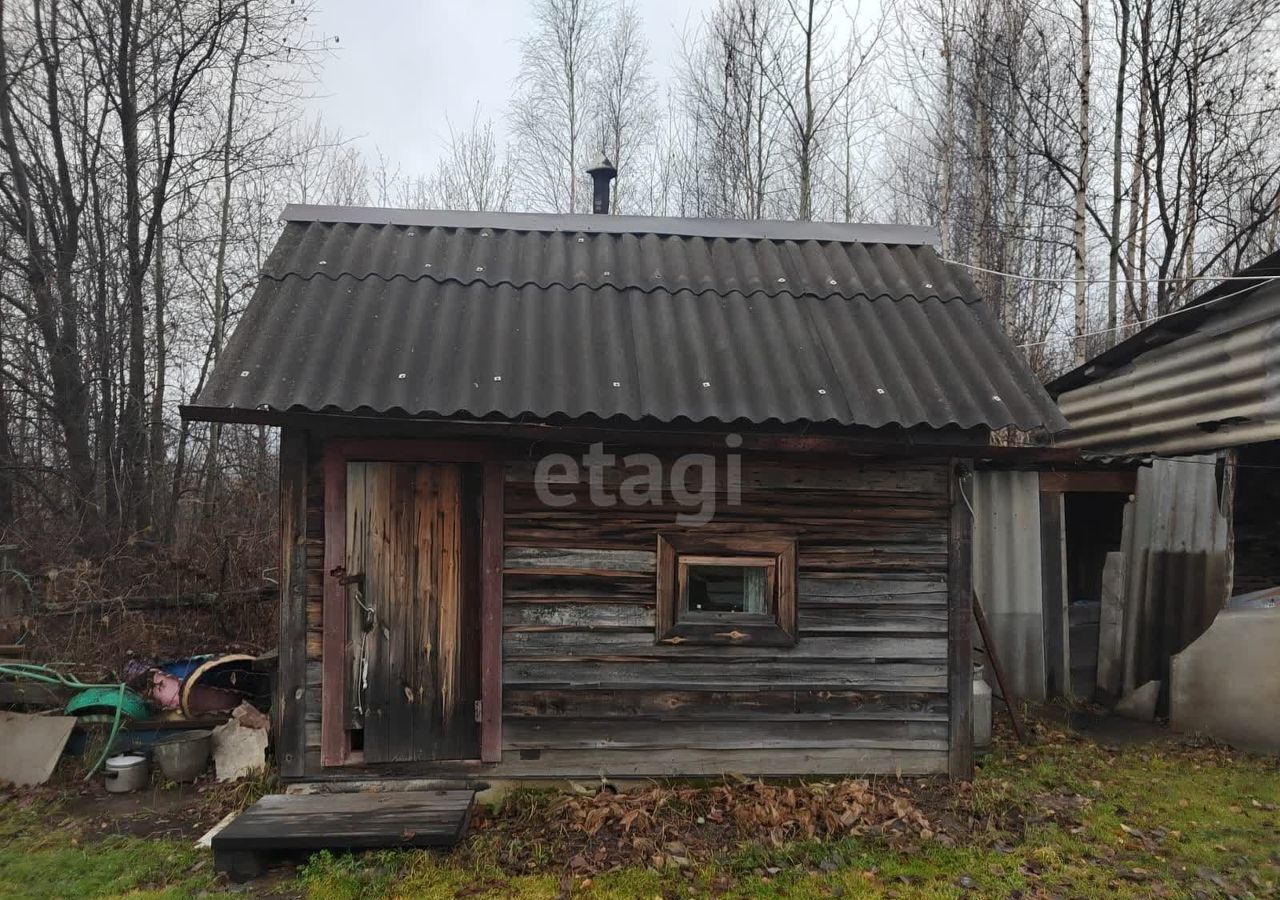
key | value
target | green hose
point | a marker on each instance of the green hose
(26, 582)
(46, 675)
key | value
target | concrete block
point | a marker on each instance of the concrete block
(1226, 683)
(1111, 626)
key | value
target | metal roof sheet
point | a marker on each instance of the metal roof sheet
(544, 318)
(1206, 377)
(1227, 294)
(1217, 386)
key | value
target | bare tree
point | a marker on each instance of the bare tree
(625, 100)
(1115, 240)
(551, 111)
(146, 147)
(110, 142)
(1079, 222)
(187, 41)
(1214, 165)
(960, 159)
(220, 305)
(733, 110)
(43, 221)
(812, 80)
(474, 173)
(854, 139)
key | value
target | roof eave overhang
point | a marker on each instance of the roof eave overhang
(782, 438)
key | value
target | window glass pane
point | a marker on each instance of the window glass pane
(728, 589)
(755, 590)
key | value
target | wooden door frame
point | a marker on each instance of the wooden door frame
(335, 742)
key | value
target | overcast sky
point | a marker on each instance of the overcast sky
(404, 68)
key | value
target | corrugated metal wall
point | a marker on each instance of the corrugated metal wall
(1177, 545)
(1177, 550)
(1006, 573)
(1218, 386)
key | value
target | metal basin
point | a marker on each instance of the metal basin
(183, 756)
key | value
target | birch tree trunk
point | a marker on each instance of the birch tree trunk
(1078, 227)
(949, 130)
(1138, 198)
(1117, 185)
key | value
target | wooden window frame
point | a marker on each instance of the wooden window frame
(677, 625)
(335, 740)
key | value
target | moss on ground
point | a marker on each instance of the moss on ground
(1150, 820)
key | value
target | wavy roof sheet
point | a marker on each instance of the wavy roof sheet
(489, 315)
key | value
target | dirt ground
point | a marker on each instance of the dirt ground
(162, 810)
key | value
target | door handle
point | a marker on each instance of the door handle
(367, 616)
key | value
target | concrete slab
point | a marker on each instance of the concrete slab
(1111, 627)
(30, 746)
(1226, 683)
(1140, 703)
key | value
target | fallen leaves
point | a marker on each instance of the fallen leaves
(679, 826)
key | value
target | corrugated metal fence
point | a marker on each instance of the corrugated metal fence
(1177, 560)
(1177, 545)
(1006, 573)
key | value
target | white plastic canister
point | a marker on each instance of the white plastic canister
(981, 710)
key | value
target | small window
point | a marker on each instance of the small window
(726, 586)
(726, 590)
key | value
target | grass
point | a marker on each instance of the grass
(42, 855)
(1141, 821)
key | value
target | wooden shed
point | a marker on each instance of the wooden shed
(605, 495)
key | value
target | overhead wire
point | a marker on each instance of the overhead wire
(1256, 282)
(1051, 279)
(1153, 319)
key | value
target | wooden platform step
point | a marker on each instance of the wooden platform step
(288, 823)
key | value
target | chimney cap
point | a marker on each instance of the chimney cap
(603, 166)
(601, 173)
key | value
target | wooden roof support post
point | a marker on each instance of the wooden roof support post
(1053, 575)
(334, 746)
(491, 526)
(291, 679)
(959, 616)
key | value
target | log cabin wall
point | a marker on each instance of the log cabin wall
(588, 691)
(864, 688)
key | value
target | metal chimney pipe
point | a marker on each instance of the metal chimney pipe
(601, 173)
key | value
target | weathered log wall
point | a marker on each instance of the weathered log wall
(587, 691)
(583, 675)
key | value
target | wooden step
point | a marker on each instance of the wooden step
(286, 823)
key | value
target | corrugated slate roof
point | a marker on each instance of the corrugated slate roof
(507, 315)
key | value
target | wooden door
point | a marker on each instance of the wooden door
(413, 649)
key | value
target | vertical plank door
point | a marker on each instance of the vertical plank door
(413, 648)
